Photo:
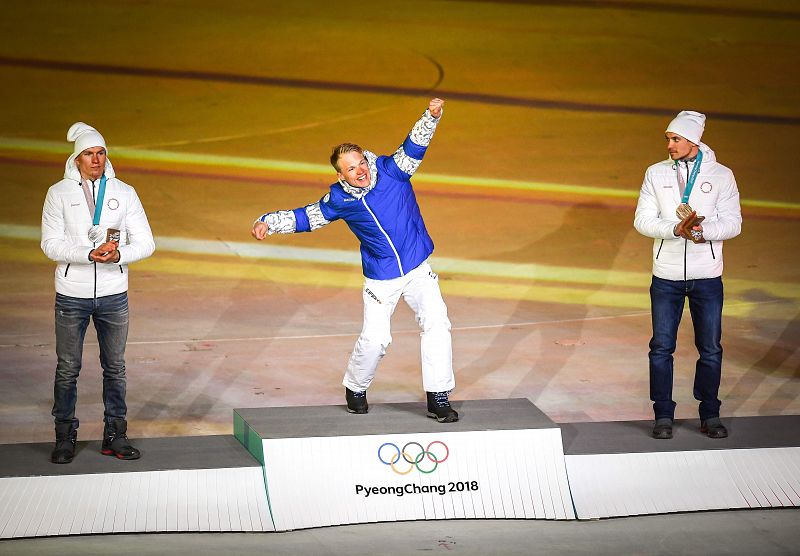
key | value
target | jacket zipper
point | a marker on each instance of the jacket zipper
(94, 244)
(659, 249)
(685, 241)
(711, 244)
(66, 270)
(685, 248)
(375, 218)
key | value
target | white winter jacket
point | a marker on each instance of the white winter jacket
(65, 227)
(714, 196)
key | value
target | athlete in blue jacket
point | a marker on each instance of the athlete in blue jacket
(373, 195)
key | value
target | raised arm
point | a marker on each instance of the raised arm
(409, 155)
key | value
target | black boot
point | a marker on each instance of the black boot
(662, 428)
(115, 441)
(439, 407)
(356, 401)
(64, 451)
(713, 428)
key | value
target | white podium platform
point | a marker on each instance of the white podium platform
(324, 466)
(207, 483)
(616, 469)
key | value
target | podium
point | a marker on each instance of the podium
(299, 467)
(184, 484)
(323, 466)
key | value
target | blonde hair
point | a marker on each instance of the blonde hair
(344, 148)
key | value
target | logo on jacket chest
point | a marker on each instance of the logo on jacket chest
(112, 204)
(706, 187)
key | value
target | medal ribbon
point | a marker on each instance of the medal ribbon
(98, 207)
(692, 176)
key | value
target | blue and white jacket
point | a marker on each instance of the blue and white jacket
(384, 216)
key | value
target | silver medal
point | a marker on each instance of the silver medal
(96, 234)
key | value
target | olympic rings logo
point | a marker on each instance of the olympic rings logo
(414, 455)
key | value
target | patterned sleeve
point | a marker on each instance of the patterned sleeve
(305, 219)
(409, 155)
(316, 219)
(279, 222)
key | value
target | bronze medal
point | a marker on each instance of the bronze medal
(683, 211)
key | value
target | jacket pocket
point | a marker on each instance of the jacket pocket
(66, 270)
(659, 249)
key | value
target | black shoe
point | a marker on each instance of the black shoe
(356, 401)
(64, 450)
(116, 443)
(713, 428)
(663, 428)
(439, 408)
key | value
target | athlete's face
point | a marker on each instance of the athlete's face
(353, 169)
(91, 163)
(679, 147)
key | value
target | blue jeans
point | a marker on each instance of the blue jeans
(705, 305)
(110, 316)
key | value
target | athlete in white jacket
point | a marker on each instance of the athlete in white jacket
(93, 226)
(689, 204)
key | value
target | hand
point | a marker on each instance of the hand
(690, 228)
(435, 107)
(259, 230)
(683, 228)
(105, 253)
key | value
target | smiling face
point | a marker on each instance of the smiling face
(353, 169)
(679, 147)
(91, 162)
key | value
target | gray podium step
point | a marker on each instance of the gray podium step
(392, 418)
(158, 454)
(617, 437)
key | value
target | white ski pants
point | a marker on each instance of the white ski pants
(420, 289)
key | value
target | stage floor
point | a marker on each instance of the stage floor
(553, 113)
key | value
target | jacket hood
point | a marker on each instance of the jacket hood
(708, 153)
(71, 171)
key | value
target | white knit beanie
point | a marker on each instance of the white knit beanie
(85, 137)
(689, 125)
